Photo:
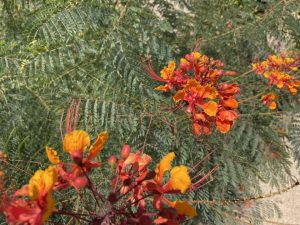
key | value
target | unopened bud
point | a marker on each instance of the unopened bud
(77, 157)
(203, 69)
(125, 151)
(112, 160)
(112, 197)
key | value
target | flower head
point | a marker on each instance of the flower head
(269, 100)
(196, 83)
(279, 69)
(41, 204)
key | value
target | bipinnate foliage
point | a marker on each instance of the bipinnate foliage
(53, 51)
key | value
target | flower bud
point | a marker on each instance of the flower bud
(80, 182)
(197, 129)
(125, 151)
(112, 160)
(112, 197)
(77, 157)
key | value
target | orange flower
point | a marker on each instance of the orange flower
(77, 141)
(195, 80)
(179, 179)
(167, 73)
(37, 210)
(40, 187)
(278, 70)
(268, 99)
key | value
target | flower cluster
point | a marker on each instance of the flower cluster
(137, 195)
(34, 203)
(136, 183)
(279, 69)
(269, 100)
(195, 84)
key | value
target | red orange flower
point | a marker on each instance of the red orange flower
(279, 69)
(132, 183)
(196, 83)
(39, 207)
(269, 100)
(75, 144)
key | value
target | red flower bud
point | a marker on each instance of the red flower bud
(112, 160)
(197, 129)
(125, 151)
(80, 182)
(77, 157)
(112, 197)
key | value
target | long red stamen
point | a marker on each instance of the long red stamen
(199, 163)
(206, 176)
(68, 119)
(76, 114)
(153, 74)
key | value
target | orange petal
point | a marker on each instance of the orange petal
(164, 166)
(167, 73)
(199, 116)
(52, 155)
(229, 115)
(161, 88)
(211, 108)
(179, 96)
(76, 141)
(210, 92)
(180, 179)
(184, 208)
(196, 55)
(197, 129)
(183, 61)
(223, 126)
(98, 144)
(231, 103)
(272, 105)
(42, 182)
(171, 65)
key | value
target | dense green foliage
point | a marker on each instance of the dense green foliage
(52, 51)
